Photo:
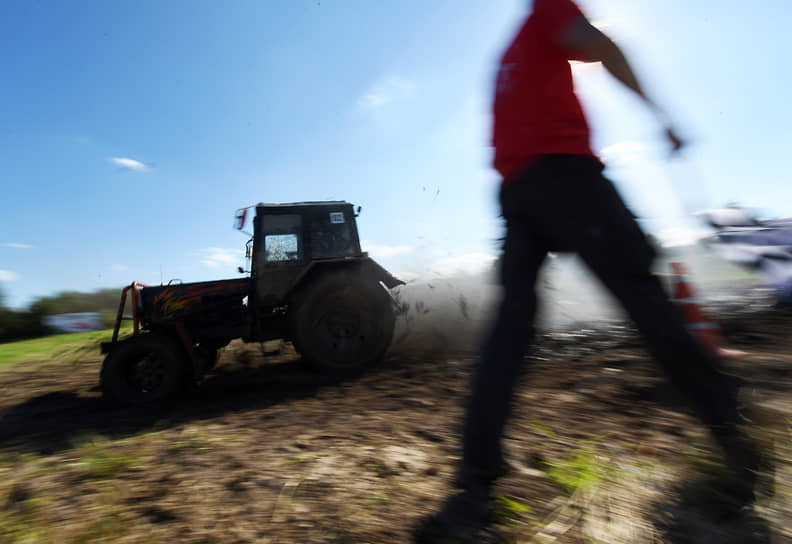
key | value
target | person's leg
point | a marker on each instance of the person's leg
(614, 247)
(617, 251)
(501, 358)
(573, 206)
(465, 513)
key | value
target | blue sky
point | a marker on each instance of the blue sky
(131, 131)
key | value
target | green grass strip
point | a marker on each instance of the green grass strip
(50, 348)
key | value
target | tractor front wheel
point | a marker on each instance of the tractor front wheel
(147, 369)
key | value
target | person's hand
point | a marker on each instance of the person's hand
(676, 142)
(668, 127)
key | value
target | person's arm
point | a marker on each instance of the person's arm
(588, 44)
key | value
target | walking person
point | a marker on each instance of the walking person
(554, 197)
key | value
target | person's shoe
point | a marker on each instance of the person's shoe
(460, 521)
(731, 488)
(741, 454)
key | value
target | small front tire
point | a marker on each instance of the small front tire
(145, 370)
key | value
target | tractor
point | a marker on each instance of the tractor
(309, 283)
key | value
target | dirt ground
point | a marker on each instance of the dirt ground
(601, 449)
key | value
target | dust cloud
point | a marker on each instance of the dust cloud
(451, 314)
(446, 314)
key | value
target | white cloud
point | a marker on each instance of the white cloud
(20, 246)
(469, 263)
(129, 164)
(385, 91)
(7, 275)
(119, 267)
(407, 276)
(216, 256)
(623, 152)
(383, 251)
(623, 147)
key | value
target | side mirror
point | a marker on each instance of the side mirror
(357, 212)
(240, 270)
(248, 249)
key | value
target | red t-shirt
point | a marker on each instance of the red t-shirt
(536, 111)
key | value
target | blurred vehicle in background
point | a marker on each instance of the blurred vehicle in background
(74, 322)
(764, 245)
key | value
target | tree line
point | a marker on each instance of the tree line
(29, 322)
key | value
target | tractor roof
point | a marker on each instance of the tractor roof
(306, 204)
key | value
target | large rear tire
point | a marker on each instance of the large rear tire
(148, 369)
(341, 322)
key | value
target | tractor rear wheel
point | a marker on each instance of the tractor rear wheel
(341, 322)
(147, 369)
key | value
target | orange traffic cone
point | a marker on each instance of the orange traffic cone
(703, 328)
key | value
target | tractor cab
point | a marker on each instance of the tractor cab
(291, 240)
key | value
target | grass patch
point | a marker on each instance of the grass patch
(108, 527)
(297, 459)
(34, 465)
(29, 506)
(508, 510)
(190, 444)
(20, 516)
(191, 439)
(377, 468)
(581, 470)
(56, 347)
(21, 527)
(541, 428)
(11, 459)
(98, 462)
(378, 499)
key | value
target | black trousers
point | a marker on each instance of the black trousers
(563, 203)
